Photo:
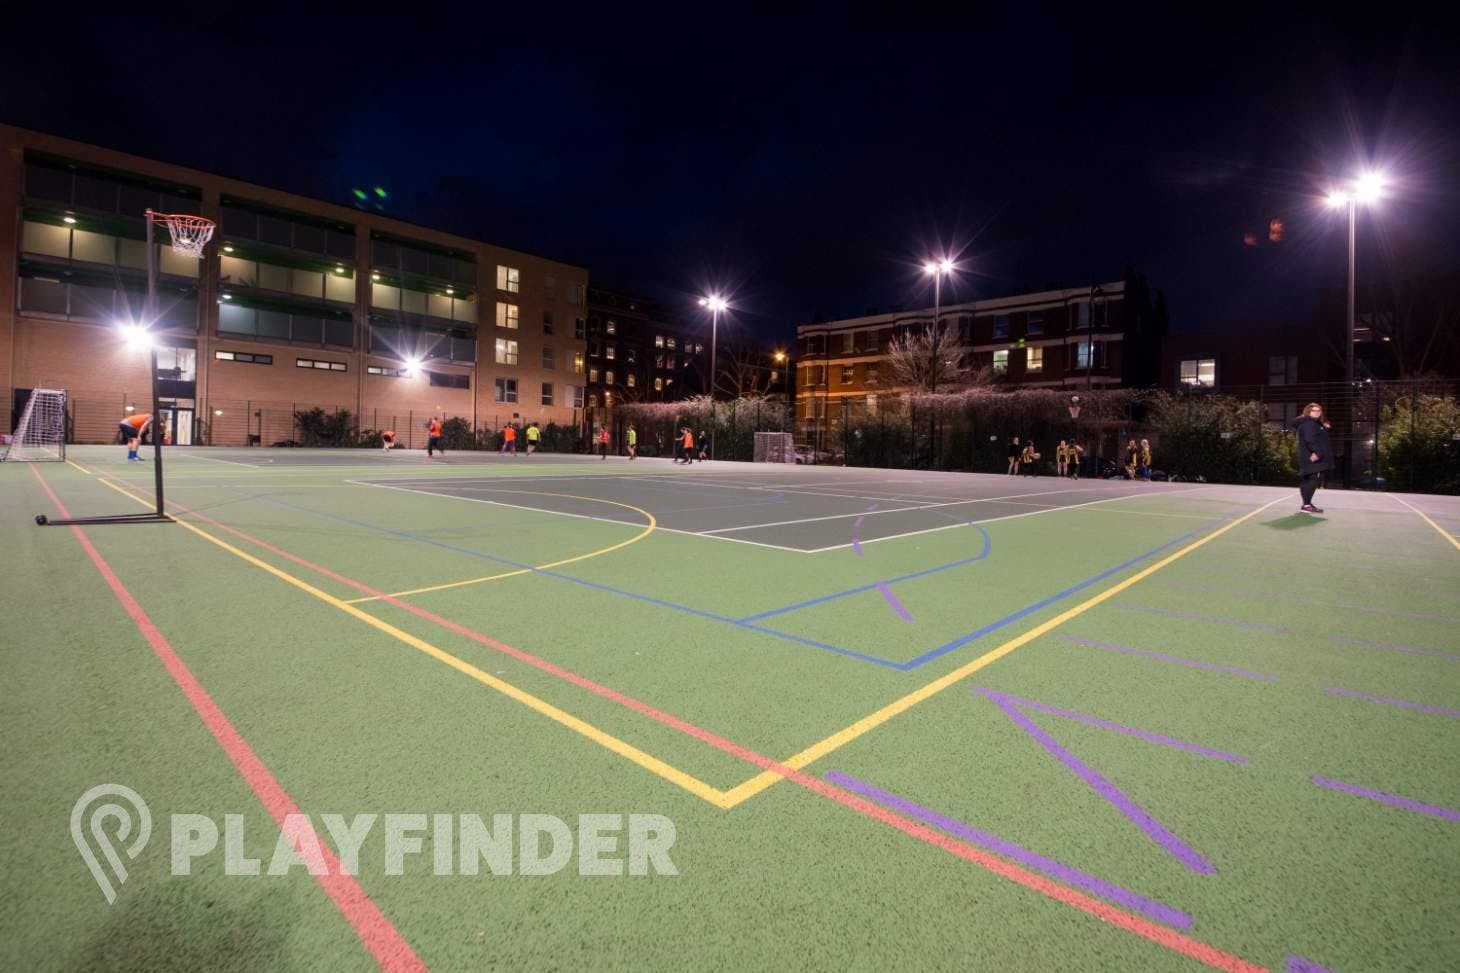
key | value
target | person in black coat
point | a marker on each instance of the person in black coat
(1315, 454)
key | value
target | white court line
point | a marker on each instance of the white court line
(875, 513)
(563, 513)
(1028, 513)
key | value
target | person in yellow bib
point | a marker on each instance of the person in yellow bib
(533, 435)
(633, 442)
(1061, 455)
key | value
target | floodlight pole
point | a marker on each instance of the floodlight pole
(149, 317)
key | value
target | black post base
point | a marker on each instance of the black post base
(152, 518)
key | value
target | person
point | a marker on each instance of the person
(603, 442)
(1146, 460)
(1015, 454)
(533, 435)
(704, 446)
(509, 439)
(433, 438)
(659, 443)
(133, 428)
(1315, 454)
(1061, 456)
(687, 443)
(1073, 454)
(1028, 458)
(633, 441)
(387, 440)
(1132, 458)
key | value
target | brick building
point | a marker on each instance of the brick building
(298, 304)
(634, 355)
(1065, 338)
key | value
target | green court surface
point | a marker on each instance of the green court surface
(893, 719)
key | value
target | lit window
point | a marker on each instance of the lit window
(1199, 372)
(506, 390)
(608, 377)
(869, 373)
(658, 341)
(506, 315)
(1001, 361)
(659, 385)
(593, 375)
(506, 352)
(577, 363)
(509, 279)
(609, 352)
(847, 371)
(592, 400)
(669, 343)
(610, 326)
(1035, 361)
(630, 380)
(699, 348)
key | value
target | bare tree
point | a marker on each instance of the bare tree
(743, 372)
(929, 358)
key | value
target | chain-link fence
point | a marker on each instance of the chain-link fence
(659, 425)
(1385, 435)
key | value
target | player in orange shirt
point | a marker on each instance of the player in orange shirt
(433, 438)
(132, 429)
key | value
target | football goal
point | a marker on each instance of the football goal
(40, 435)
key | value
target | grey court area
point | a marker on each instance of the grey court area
(804, 509)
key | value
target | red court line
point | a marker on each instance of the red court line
(1153, 932)
(385, 943)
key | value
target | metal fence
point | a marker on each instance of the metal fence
(1400, 435)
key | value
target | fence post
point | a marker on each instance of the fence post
(1375, 459)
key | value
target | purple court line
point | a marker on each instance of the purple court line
(997, 845)
(1393, 647)
(1404, 802)
(892, 600)
(1401, 703)
(1133, 812)
(1204, 618)
(1193, 663)
(857, 546)
(1299, 964)
(1260, 596)
(1164, 741)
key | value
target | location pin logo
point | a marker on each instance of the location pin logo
(125, 807)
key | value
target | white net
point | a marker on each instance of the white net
(40, 436)
(775, 447)
(189, 234)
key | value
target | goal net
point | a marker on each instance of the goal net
(775, 447)
(40, 435)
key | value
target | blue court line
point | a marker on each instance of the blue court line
(907, 666)
(987, 546)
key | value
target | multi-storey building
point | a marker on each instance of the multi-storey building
(1068, 338)
(634, 355)
(298, 304)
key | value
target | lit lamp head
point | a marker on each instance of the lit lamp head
(935, 267)
(135, 335)
(714, 302)
(413, 367)
(1369, 188)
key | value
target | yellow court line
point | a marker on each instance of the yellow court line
(653, 764)
(83, 469)
(841, 738)
(648, 529)
(1442, 531)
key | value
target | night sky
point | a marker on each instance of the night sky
(806, 165)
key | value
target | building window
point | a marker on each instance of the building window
(592, 400)
(630, 380)
(244, 356)
(609, 352)
(593, 376)
(387, 372)
(579, 325)
(593, 349)
(847, 371)
(1199, 372)
(669, 343)
(547, 393)
(1001, 326)
(445, 381)
(1082, 319)
(575, 293)
(577, 363)
(577, 396)
(699, 348)
(1035, 360)
(869, 373)
(509, 279)
(1282, 369)
(610, 326)
(547, 322)
(506, 390)
(658, 361)
(658, 341)
(1001, 361)
(849, 342)
(506, 352)
(324, 366)
(1035, 325)
(507, 315)
(608, 377)
(547, 357)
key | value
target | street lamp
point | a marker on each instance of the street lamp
(1366, 189)
(716, 304)
(937, 269)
